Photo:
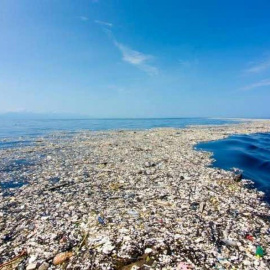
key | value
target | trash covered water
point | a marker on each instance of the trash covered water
(131, 200)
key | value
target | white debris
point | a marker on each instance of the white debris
(123, 199)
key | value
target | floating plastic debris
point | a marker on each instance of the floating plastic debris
(62, 257)
(117, 200)
(101, 221)
(259, 251)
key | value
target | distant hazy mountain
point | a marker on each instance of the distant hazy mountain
(31, 115)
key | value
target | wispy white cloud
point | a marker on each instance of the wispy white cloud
(261, 83)
(84, 18)
(136, 58)
(104, 23)
(133, 57)
(259, 67)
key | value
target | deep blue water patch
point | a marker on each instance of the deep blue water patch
(7, 188)
(12, 174)
(11, 184)
(249, 153)
(15, 165)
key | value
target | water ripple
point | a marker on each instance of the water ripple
(250, 153)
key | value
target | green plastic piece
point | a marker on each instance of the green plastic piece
(259, 251)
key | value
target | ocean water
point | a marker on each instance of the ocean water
(249, 153)
(21, 133)
(18, 132)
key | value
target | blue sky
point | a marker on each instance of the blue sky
(143, 58)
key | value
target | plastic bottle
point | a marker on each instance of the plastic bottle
(259, 251)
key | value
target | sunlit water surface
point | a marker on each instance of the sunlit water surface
(17, 132)
(20, 133)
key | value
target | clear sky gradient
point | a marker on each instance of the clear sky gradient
(141, 58)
